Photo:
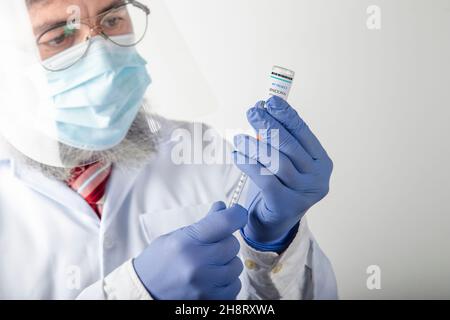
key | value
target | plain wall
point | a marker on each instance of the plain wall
(378, 100)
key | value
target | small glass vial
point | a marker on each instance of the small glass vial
(281, 82)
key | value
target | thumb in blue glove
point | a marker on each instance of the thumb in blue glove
(198, 262)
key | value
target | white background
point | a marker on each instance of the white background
(378, 100)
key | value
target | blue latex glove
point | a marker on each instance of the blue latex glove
(198, 262)
(281, 196)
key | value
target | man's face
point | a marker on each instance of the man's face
(50, 20)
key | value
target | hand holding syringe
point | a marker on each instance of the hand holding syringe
(281, 82)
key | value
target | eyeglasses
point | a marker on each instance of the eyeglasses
(126, 18)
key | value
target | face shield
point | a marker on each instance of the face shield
(71, 75)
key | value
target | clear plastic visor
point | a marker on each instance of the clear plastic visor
(42, 39)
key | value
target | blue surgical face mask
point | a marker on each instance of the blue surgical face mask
(98, 98)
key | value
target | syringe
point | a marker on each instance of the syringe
(281, 80)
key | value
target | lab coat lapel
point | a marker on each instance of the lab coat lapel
(119, 186)
(55, 190)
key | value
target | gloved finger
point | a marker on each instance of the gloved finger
(274, 160)
(224, 275)
(224, 251)
(217, 206)
(259, 174)
(229, 292)
(274, 133)
(218, 225)
(279, 109)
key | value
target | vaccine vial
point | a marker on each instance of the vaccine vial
(281, 82)
(280, 85)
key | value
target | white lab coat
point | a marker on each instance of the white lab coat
(53, 246)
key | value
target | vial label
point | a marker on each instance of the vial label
(281, 82)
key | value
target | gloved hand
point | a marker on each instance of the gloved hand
(281, 192)
(198, 262)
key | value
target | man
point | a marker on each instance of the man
(92, 203)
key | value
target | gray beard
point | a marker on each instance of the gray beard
(133, 152)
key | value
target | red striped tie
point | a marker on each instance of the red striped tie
(90, 182)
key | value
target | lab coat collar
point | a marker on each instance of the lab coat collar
(119, 185)
(55, 190)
